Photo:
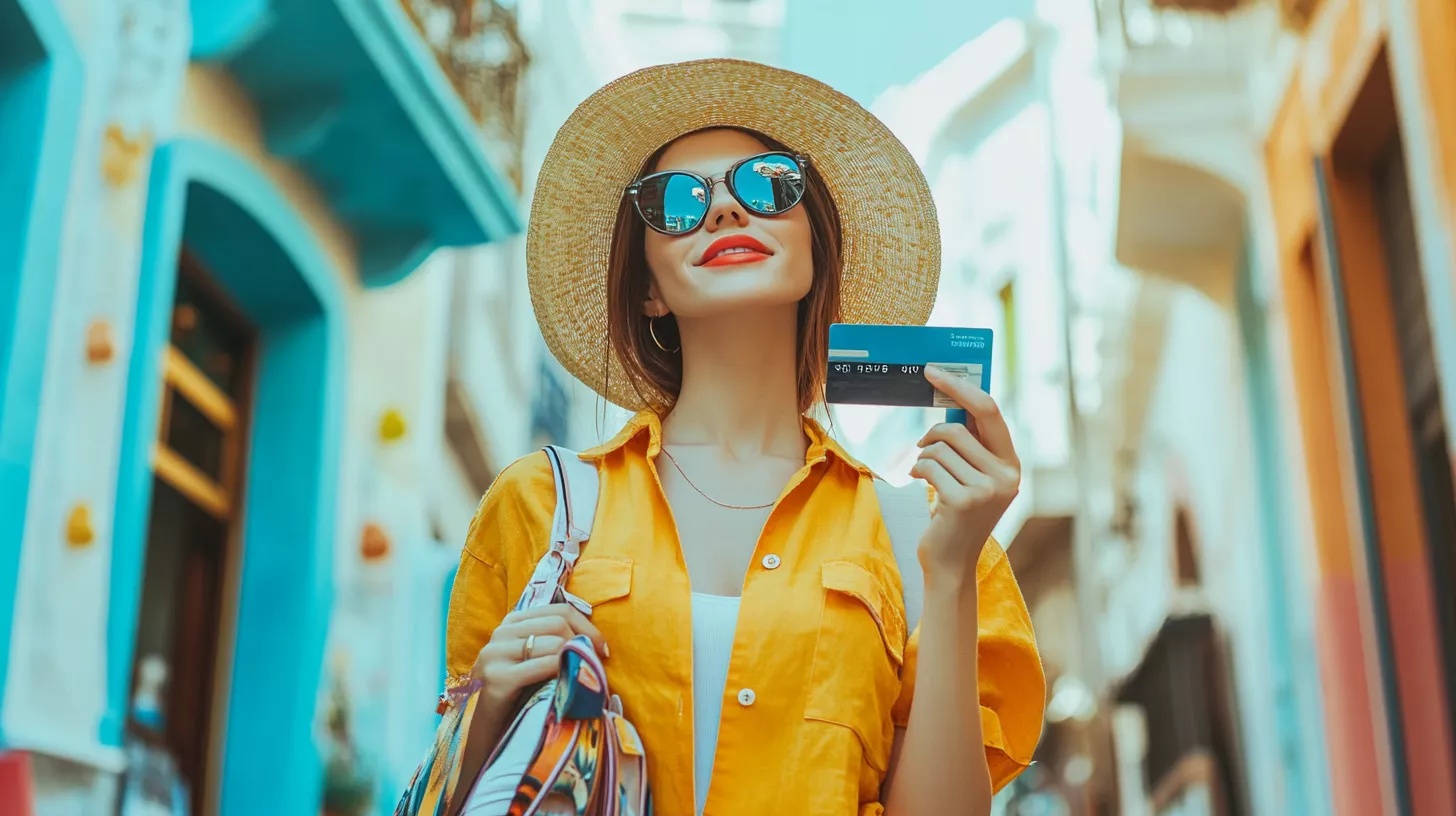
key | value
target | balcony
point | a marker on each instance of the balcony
(350, 93)
(1179, 78)
(1180, 82)
(478, 45)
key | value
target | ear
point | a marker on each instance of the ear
(654, 306)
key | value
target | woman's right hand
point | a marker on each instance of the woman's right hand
(505, 667)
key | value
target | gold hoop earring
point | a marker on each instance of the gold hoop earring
(652, 330)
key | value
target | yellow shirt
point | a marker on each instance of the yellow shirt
(821, 638)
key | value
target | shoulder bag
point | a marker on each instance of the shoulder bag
(568, 749)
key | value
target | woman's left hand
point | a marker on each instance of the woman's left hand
(975, 476)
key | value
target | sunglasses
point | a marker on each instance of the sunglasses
(674, 202)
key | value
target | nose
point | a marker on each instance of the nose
(724, 209)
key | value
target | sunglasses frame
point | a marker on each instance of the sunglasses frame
(635, 188)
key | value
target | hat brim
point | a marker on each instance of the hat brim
(890, 248)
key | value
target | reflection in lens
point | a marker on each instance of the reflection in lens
(674, 202)
(769, 184)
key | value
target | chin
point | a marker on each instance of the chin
(723, 303)
(726, 289)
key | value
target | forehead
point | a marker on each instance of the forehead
(709, 152)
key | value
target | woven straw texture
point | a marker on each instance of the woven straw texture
(891, 242)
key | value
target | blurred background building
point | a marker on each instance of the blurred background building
(265, 340)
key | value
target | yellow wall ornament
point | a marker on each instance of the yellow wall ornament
(79, 532)
(392, 426)
(122, 156)
(100, 348)
(374, 543)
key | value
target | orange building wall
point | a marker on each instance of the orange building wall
(1344, 655)
(1437, 24)
(1345, 114)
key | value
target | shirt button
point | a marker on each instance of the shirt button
(746, 697)
(771, 561)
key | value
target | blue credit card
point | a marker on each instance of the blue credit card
(885, 365)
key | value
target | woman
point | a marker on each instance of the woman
(695, 230)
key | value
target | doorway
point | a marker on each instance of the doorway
(1410, 510)
(1430, 437)
(192, 529)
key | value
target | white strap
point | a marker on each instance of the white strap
(576, 505)
(906, 514)
(577, 479)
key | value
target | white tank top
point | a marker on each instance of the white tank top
(715, 620)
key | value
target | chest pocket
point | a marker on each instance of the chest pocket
(598, 580)
(858, 654)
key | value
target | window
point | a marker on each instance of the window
(197, 469)
(1185, 552)
(1007, 340)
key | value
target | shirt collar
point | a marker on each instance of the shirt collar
(822, 446)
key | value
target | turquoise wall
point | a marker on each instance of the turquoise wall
(1298, 707)
(40, 105)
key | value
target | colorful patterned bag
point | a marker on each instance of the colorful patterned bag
(569, 750)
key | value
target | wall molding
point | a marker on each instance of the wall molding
(40, 105)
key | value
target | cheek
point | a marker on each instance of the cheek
(797, 239)
(664, 257)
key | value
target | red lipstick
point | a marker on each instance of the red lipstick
(734, 249)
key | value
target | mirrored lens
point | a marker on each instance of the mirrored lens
(769, 184)
(674, 202)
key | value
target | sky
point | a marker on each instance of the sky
(863, 47)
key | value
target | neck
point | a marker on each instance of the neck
(740, 385)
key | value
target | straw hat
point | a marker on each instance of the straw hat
(891, 242)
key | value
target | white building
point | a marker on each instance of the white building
(1112, 278)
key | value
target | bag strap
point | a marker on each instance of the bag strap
(906, 513)
(577, 486)
(576, 480)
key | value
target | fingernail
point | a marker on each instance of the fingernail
(606, 650)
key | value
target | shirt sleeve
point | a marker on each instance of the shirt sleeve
(506, 537)
(1012, 685)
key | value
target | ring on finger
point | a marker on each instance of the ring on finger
(528, 647)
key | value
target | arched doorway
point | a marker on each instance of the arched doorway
(272, 527)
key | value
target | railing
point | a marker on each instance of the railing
(1164, 23)
(1163, 39)
(1182, 22)
(1206, 6)
(479, 46)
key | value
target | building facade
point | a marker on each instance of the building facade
(1220, 633)
(252, 252)
(1357, 143)
(1282, 196)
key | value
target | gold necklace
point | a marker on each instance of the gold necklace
(725, 505)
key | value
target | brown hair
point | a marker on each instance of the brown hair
(656, 375)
